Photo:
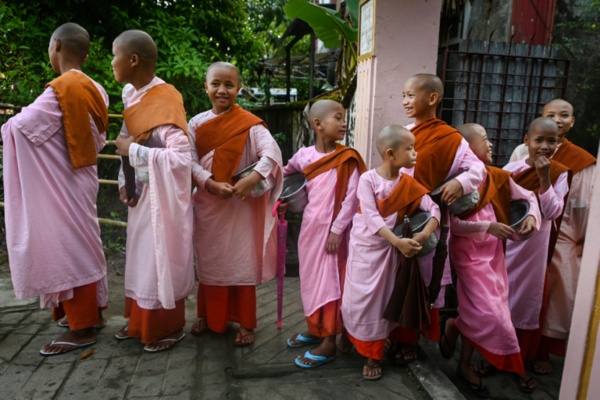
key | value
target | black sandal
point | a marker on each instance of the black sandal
(523, 384)
(482, 369)
(478, 388)
(401, 359)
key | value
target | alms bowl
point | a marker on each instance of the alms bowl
(461, 205)
(294, 192)
(258, 189)
(519, 210)
(417, 222)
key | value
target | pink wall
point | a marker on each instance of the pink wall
(406, 43)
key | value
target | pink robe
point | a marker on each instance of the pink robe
(526, 261)
(159, 260)
(482, 282)
(319, 270)
(372, 261)
(470, 182)
(236, 241)
(53, 236)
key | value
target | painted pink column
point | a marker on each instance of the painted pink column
(581, 375)
(405, 43)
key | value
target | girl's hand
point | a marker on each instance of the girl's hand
(420, 237)
(527, 226)
(333, 243)
(222, 190)
(126, 200)
(123, 143)
(452, 191)
(244, 186)
(500, 230)
(408, 247)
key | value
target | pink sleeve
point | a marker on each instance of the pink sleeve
(40, 120)
(368, 205)
(293, 165)
(266, 150)
(199, 174)
(429, 205)
(519, 193)
(469, 228)
(349, 206)
(552, 201)
(465, 158)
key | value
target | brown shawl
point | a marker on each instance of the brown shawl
(404, 199)
(79, 98)
(495, 189)
(226, 134)
(573, 156)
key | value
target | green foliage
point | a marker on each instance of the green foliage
(327, 24)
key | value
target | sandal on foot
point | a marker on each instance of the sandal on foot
(484, 369)
(172, 342)
(320, 360)
(444, 340)
(304, 340)
(370, 367)
(122, 334)
(74, 346)
(64, 323)
(199, 327)
(478, 388)
(390, 347)
(543, 367)
(405, 357)
(524, 385)
(239, 339)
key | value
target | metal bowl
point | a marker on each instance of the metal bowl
(417, 222)
(461, 205)
(519, 210)
(294, 192)
(258, 189)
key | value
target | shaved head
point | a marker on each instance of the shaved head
(558, 103)
(430, 83)
(322, 107)
(471, 132)
(74, 39)
(391, 137)
(542, 124)
(138, 42)
(222, 64)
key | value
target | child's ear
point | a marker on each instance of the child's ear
(57, 44)
(206, 86)
(135, 60)
(572, 121)
(85, 59)
(317, 123)
(389, 153)
(526, 140)
(433, 98)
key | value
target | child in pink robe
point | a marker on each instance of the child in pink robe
(50, 203)
(159, 272)
(373, 257)
(235, 236)
(326, 221)
(477, 251)
(526, 261)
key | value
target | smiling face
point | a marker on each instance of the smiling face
(562, 113)
(121, 64)
(332, 124)
(480, 145)
(541, 141)
(222, 86)
(418, 101)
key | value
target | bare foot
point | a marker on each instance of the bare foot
(525, 382)
(70, 341)
(372, 369)
(199, 327)
(244, 337)
(543, 367)
(405, 353)
(344, 344)
(165, 343)
(448, 338)
(123, 333)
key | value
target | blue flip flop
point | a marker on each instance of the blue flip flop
(319, 359)
(305, 341)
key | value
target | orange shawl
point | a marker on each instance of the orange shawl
(78, 98)
(573, 156)
(496, 189)
(404, 199)
(436, 143)
(161, 105)
(345, 160)
(227, 135)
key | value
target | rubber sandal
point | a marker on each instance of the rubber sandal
(400, 358)
(173, 342)
(482, 369)
(320, 360)
(75, 346)
(305, 341)
(239, 342)
(371, 367)
(542, 371)
(199, 327)
(478, 389)
(523, 384)
(64, 323)
(120, 336)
